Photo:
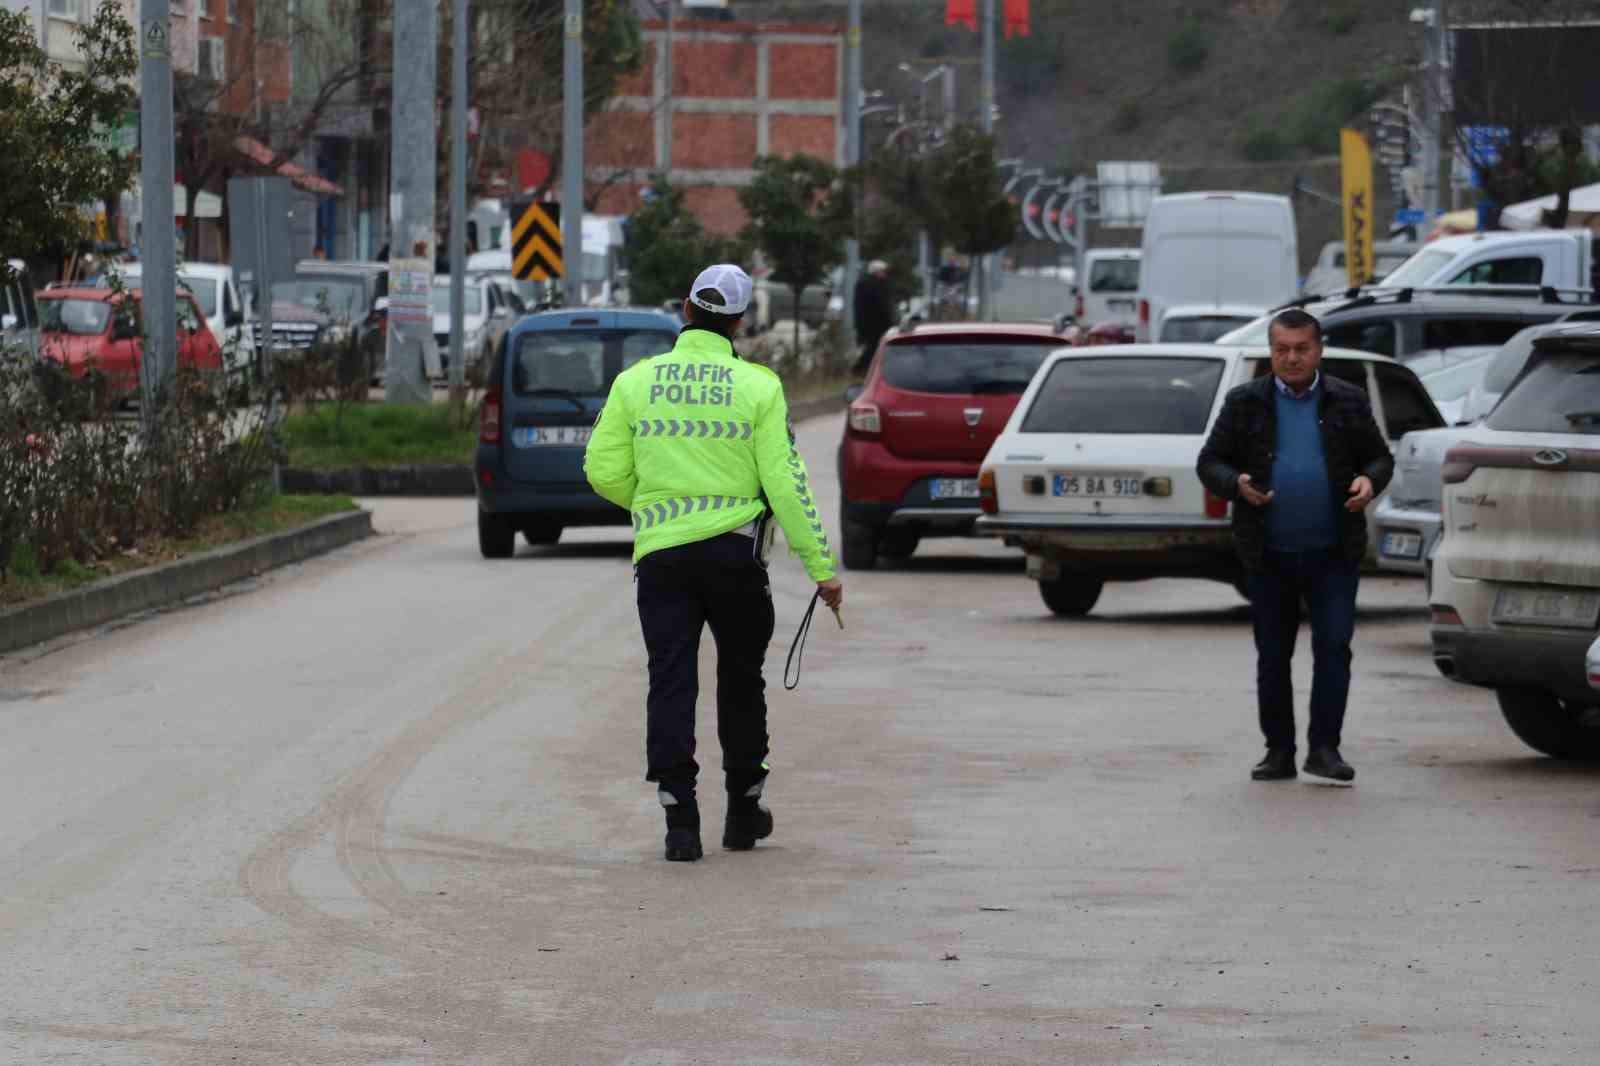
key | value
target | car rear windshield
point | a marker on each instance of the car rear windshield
(1126, 394)
(965, 365)
(1201, 330)
(1114, 275)
(581, 362)
(1559, 394)
(83, 318)
(337, 297)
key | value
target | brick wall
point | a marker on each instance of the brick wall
(804, 72)
(713, 141)
(812, 134)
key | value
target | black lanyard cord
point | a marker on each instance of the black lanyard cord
(798, 647)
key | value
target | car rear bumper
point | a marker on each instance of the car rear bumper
(563, 502)
(936, 518)
(1391, 525)
(1547, 659)
(881, 490)
(1120, 546)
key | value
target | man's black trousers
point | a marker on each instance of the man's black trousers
(714, 582)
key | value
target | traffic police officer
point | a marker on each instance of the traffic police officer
(696, 444)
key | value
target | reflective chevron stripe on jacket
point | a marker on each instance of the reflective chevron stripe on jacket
(667, 510)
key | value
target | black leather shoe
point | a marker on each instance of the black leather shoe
(1326, 762)
(747, 823)
(1277, 766)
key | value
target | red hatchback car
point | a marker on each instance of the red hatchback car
(79, 328)
(935, 399)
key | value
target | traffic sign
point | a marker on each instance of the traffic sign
(1410, 216)
(536, 242)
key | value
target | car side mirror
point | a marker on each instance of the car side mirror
(852, 393)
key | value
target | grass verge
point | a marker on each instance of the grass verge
(24, 584)
(377, 434)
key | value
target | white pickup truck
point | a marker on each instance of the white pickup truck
(1553, 258)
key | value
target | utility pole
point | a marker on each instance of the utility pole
(852, 159)
(158, 241)
(666, 70)
(985, 264)
(572, 154)
(458, 196)
(1435, 86)
(411, 227)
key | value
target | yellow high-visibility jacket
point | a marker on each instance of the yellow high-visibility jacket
(690, 440)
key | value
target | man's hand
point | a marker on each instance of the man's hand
(1251, 495)
(832, 592)
(1360, 494)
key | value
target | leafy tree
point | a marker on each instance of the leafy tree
(799, 216)
(667, 247)
(53, 156)
(966, 194)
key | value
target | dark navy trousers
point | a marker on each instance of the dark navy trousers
(1327, 585)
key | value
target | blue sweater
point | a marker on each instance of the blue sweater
(1301, 515)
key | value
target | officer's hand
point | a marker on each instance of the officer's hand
(832, 592)
(1360, 494)
(1252, 495)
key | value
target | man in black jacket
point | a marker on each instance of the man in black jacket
(874, 311)
(1301, 457)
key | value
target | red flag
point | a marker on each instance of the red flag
(1017, 17)
(964, 12)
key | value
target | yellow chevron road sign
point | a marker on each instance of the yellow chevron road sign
(536, 242)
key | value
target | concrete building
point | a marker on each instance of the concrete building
(738, 90)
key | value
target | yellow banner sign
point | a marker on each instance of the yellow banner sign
(1355, 160)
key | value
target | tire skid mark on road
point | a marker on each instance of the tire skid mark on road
(267, 874)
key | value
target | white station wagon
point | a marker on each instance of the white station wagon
(1094, 475)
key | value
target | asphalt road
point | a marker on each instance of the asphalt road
(387, 807)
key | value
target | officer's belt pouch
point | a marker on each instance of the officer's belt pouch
(766, 531)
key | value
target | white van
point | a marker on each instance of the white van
(19, 315)
(1557, 258)
(1216, 249)
(1109, 291)
(216, 290)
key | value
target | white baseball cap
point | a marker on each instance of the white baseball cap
(729, 280)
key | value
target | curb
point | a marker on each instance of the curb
(430, 480)
(445, 479)
(174, 582)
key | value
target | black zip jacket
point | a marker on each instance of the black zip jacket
(1243, 441)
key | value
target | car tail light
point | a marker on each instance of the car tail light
(1455, 471)
(1144, 313)
(988, 501)
(1216, 506)
(866, 418)
(1078, 309)
(489, 418)
(1441, 615)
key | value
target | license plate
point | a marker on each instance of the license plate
(1120, 305)
(1123, 486)
(1569, 608)
(1401, 545)
(955, 488)
(547, 436)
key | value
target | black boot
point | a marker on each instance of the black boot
(683, 827)
(1277, 766)
(747, 820)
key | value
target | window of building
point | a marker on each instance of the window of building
(67, 9)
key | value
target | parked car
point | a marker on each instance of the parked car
(90, 330)
(1407, 517)
(1094, 474)
(933, 401)
(484, 320)
(1406, 323)
(1507, 363)
(1449, 374)
(19, 311)
(1515, 598)
(1216, 249)
(1558, 259)
(551, 374)
(333, 302)
(1203, 324)
(1112, 290)
(215, 288)
(1330, 276)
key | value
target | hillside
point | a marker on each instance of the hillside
(1222, 93)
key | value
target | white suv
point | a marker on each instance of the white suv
(1094, 475)
(1515, 598)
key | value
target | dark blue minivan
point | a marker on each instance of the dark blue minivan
(549, 381)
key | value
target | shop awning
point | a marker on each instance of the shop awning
(302, 178)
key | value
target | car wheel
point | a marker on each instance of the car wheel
(1551, 725)
(898, 545)
(542, 533)
(497, 538)
(859, 546)
(1071, 595)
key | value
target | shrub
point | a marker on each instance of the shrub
(1263, 144)
(1189, 47)
(1314, 123)
(1128, 117)
(1340, 18)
